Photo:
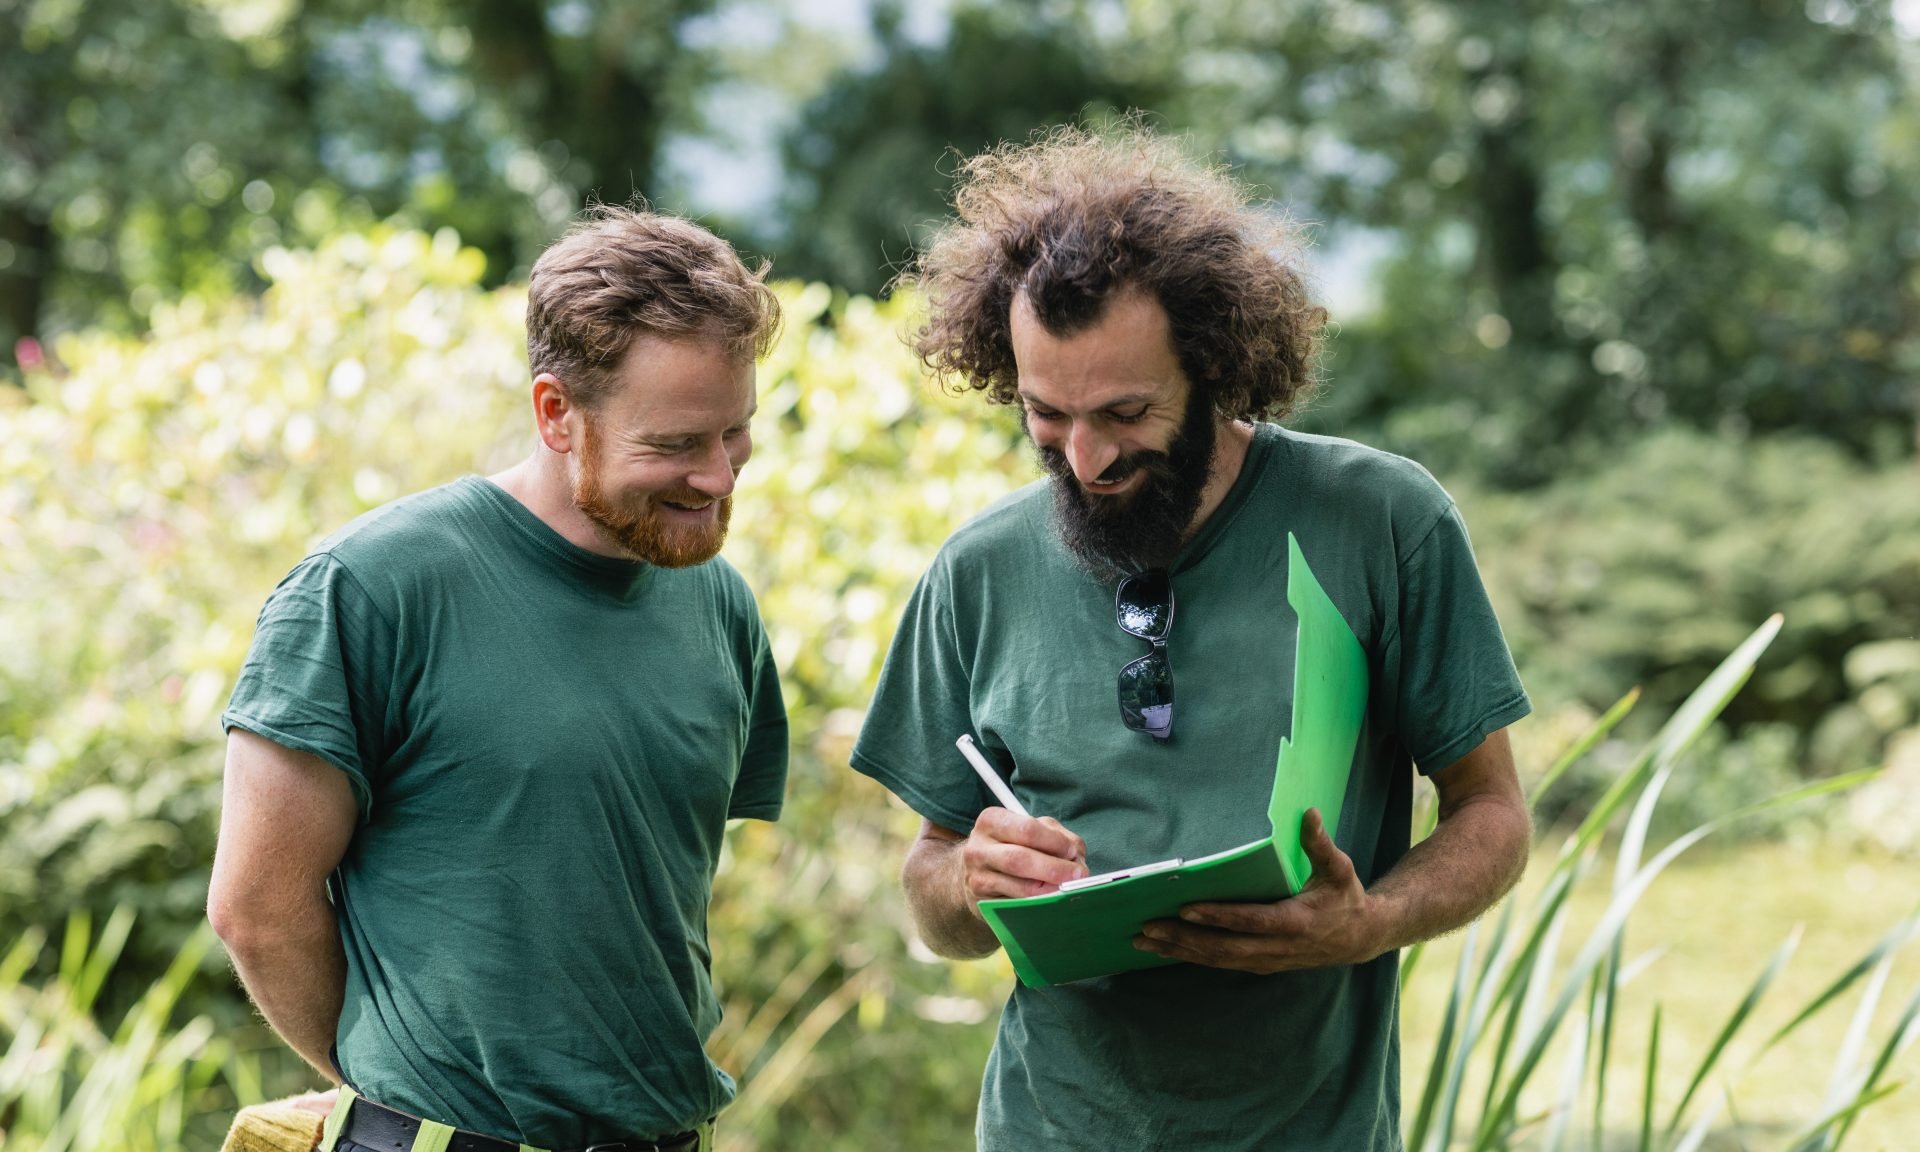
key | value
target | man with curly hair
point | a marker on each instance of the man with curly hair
(1148, 322)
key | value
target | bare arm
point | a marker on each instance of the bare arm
(946, 875)
(1475, 855)
(286, 818)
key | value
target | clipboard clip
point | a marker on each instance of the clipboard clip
(1123, 874)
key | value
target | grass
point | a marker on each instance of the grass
(1708, 928)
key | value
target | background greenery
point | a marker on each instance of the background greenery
(1636, 281)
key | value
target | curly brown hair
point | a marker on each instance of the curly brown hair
(1073, 217)
(625, 272)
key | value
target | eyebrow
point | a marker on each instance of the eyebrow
(674, 437)
(1118, 402)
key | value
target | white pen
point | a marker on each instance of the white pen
(991, 778)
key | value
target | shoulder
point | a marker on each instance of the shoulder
(407, 530)
(1014, 524)
(718, 583)
(407, 542)
(1363, 482)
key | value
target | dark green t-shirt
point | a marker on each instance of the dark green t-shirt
(1005, 638)
(546, 746)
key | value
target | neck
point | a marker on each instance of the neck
(543, 484)
(1232, 440)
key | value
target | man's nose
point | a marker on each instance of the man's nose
(713, 474)
(1089, 453)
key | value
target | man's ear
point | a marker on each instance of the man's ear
(555, 416)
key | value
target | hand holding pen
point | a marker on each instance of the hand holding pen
(1010, 853)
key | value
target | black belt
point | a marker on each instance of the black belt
(385, 1130)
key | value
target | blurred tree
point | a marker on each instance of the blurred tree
(869, 162)
(1597, 216)
(157, 146)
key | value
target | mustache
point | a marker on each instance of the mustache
(1055, 462)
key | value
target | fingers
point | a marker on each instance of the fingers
(1212, 947)
(1330, 865)
(1013, 856)
(1045, 835)
(1260, 919)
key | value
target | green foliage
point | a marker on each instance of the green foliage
(1594, 217)
(152, 497)
(1642, 571)
(868, 161)
(154, 147)
(66, 1085)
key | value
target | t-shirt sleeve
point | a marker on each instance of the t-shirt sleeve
(760, 790)
(319, 674)
(1455, 682)
(921, 706)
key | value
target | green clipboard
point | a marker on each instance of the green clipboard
(1087, 928)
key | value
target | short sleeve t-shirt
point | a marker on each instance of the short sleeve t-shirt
(546, 745)
(1007, 639)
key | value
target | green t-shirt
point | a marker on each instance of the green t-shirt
(546, 746)
(1005, 638)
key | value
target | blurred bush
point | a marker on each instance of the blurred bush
(154, 492)
(1644, 571)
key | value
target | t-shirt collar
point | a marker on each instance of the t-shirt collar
(614, 575)
(1258, 451)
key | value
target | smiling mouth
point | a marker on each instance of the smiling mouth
(679, 507)
(1099, 487)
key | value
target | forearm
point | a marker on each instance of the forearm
(934, 879)
(292, 964)
(1475, 856)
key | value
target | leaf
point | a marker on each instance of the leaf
(1585, 744)
(1741, 1014)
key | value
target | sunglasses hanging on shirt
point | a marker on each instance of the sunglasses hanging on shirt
(1143, 607)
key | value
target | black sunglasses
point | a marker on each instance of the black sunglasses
(1144, 608)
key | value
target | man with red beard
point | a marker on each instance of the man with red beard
(1147, 321)
(484, 748)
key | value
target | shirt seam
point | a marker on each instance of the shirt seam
(1425, 537)
(360, 586)
(909, 790)
(235, 718)
(1488, 722)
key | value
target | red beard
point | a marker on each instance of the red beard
(646, 535)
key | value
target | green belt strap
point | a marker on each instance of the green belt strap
(434, 1136)
(337, 1119)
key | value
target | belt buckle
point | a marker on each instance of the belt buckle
(616, 1146)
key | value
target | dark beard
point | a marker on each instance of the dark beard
(1112, 537)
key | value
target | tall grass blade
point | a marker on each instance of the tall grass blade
(1813, 1137)
(1433, 1124)
(1409, 960)
(1905, 1030)
(105, 954)
(1599, 943)
(1571, 1077)
(21, 957)
(1587, 743)
(1651, 1084)
(1700, 709)
(1841, 1084)
(1695, 1136)
(1605, 995)
(1740, 1016)
(1895, 938)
